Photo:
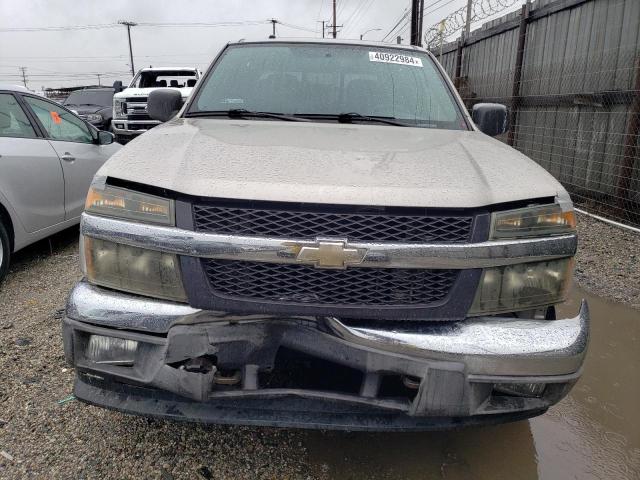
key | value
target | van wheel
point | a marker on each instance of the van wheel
(5, 251)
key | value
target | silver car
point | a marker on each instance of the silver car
(48, 157)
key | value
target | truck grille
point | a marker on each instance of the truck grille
(301, 284)
(353, 223)
(135, 108)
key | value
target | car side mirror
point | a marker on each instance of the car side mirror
(491, 118)
(163, 104)
(105, 138)
(117, 86)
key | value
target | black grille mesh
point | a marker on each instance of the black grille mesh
(377, 227)
(301, 284)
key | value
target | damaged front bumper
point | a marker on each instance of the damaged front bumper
(211, 366)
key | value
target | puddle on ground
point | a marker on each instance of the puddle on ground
(594, 433)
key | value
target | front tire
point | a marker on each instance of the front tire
(5, 251)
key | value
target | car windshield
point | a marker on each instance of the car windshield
(330, 82)
(90, 97)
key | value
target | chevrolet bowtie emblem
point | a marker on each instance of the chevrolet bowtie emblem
(331, 254)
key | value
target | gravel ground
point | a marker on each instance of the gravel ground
(608, 261)
(42, 437)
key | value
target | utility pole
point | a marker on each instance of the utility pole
(335, 22)
(99, 84)
(273, 24)
(129, 24)
(24, 76)
(467, 27)
(417, 12)
(323, 28)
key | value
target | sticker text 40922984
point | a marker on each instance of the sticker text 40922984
(395, 58)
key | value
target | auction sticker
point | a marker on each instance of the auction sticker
(395, 58)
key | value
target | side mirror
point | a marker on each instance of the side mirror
(491, 118)
(164, 103)
(105, 138)
(117, 86)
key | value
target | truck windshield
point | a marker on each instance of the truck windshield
(165, 78)
(330, 83)
(90, 97)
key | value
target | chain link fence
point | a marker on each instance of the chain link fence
(570, 72)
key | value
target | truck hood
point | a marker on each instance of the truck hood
(144, 92)
(330, 163)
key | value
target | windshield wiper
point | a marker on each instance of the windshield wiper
(242, 113)
(350, 117)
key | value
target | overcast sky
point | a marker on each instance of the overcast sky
(75, 57)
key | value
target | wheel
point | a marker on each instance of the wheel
(5, 251)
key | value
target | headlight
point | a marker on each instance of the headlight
(133, 269)
(130, 205)
(117, 108)
(533, 222)
(94, 117)
(522, 287)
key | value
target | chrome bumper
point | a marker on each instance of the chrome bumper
(125, 130)
(485, 346)
(455, 365)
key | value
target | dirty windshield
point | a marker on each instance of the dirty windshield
(330, 83)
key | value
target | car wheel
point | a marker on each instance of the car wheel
(5, 251)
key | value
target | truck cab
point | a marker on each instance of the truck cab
(130, 117)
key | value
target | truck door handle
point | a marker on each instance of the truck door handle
(67, 157)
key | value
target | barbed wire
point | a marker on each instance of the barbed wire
(456, 20)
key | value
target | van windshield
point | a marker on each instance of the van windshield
(328, 82)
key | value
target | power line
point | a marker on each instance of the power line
(141, 24)
(402, 17)
(60, 29)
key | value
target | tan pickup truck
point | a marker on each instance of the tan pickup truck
(322, 236)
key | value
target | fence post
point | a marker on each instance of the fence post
(458, 70)
(517, 74)
(630, 142)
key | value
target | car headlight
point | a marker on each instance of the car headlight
(522, 287)
(117, 108)
(533, 222)
(94, 118)
(132, 269)
(122, 267)
(122, 203)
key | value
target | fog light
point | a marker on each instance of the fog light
(520, 389)
(111, 350)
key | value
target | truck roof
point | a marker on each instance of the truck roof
(154, 69)
(331, 41)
